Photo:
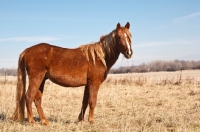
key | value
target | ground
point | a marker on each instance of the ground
(148, 102)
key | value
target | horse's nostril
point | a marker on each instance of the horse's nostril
(127, 53)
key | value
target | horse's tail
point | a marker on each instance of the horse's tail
(19, 113)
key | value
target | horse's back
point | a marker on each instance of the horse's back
(67, 67)
(47, 55)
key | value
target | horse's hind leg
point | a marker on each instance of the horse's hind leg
(35, 80)
(38, 102)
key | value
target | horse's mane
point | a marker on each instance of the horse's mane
(106, 46)
(94, 49)
(108, 43)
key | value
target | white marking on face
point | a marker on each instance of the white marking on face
(128, 45)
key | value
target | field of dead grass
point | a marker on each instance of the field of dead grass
(137, 102)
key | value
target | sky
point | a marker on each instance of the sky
(161, 29)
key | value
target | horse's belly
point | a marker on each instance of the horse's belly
(68, 80)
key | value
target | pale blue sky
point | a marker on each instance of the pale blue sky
(161, 29)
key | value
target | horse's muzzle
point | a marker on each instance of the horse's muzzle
(127, 55)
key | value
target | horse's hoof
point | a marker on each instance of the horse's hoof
(45, 122)
(91, 121)
(32, 123)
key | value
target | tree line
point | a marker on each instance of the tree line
(159, 65)
(8, 72)
(154, 66)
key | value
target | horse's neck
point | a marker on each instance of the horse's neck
(110, 60)
(111, 55)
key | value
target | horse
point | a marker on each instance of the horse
(87, 65)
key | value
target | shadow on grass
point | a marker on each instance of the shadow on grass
(2, 116)
(50, 119)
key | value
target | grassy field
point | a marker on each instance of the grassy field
(137, 102)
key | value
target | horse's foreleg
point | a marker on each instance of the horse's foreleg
(84, 104)
(93, 91)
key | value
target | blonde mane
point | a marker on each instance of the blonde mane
(95, 50)
(108, 44)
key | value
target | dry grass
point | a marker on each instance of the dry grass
(148, 102)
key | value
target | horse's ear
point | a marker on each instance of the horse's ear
(118, 26)
(127, 25)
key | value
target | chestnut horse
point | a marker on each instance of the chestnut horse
(87, 65)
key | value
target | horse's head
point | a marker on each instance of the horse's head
(124, 40)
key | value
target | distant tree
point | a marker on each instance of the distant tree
(159, 65)
(8, 72)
